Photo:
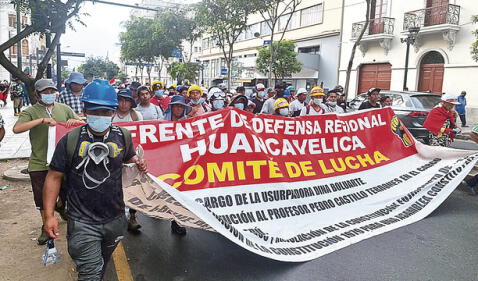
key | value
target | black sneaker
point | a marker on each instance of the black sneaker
(177, 229)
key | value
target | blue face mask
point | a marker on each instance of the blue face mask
(199, 101)
(159, 93)
(48, 98)
(261, 94)
(317, 101)
(218, 104)
(332, 103)
(239, 106)
(98, 123)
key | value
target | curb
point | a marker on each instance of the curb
(15, 174)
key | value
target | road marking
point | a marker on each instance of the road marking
(123, 272)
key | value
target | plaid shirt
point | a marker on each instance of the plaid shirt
(67, 97)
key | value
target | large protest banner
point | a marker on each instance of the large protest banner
(291, 189)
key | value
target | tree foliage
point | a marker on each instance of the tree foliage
(474, 45)
(274, 12)
(225, 20)
(184, 71)
(51, 16)
(99, 67)
(285, 60)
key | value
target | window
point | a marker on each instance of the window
(13, 49)
(24, 20)
(12, 20)
(265, 28)
(205, 43)
(251, 30)
(314, 50)
(378, 9)
(311, 15)
(25, 47)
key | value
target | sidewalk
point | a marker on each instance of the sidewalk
(13, 146)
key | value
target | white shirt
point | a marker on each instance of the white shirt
(152, 112)
(312, 110)
(268, 106)
(333, 109)
(127, 118)
(296, 105)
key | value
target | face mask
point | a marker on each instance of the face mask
(239, 106)
(284, 111)
(218, 104)
(317, 101)
(48, 98)
(159, 93)
(98, 123)
(332, 103)
(261, 94)
(199, 101)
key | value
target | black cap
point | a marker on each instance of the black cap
(281, 85)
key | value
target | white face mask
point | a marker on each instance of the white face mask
(284, 111)
(317, 101)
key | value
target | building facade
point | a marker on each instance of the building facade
(315, 30)
(30, 46)
(439, 60)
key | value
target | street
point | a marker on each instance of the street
(441, 247)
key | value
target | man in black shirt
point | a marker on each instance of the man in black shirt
(91, 157)
(373, 98)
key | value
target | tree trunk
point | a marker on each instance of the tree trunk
(356, 43)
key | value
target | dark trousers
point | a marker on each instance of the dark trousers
(91, 246)
(463, 119)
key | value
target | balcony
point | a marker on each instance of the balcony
(379, 30)
(443, 19)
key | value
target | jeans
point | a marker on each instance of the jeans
(91, 246)
(26, 99)
(463, 119)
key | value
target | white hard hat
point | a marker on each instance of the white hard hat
(450, 98)
(301, 91)
(260, 86)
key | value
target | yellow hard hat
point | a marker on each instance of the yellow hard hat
(280, 103)
(155, 82)
(194, 88)
(317, 91)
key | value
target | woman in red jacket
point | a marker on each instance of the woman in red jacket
(440, 122)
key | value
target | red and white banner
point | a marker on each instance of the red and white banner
(291, 189)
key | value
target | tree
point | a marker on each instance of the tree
(354, 48)
(46, 16)
(274, 12)
(184, 71)
(474, 45)
(99, 67)
(225, 20)
(285, 60)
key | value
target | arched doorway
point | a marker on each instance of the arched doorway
(431, 73)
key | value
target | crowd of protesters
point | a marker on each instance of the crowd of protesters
(98, 104)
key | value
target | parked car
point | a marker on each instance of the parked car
(411, 107)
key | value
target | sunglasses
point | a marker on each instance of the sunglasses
(219, 94)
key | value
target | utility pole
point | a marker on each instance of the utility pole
(58, 66)
(409, 40)
(48, 43)
(19, 44)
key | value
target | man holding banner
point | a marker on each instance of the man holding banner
(92, 158)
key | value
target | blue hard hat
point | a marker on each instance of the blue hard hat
(100, 92)
(287, 93)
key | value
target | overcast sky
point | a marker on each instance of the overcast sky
(100, 35)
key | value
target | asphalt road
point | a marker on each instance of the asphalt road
(441, 247)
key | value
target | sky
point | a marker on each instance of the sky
(100, 36)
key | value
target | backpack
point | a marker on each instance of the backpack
(73, 137)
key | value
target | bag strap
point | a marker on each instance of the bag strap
(127, 137)
(72, 142)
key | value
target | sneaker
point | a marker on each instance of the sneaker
(177, 229)
(43, 238)
(133, 224)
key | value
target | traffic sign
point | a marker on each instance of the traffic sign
(70, 54)
(223, 71)
(267, 42)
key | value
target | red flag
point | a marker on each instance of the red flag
(112, 81)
